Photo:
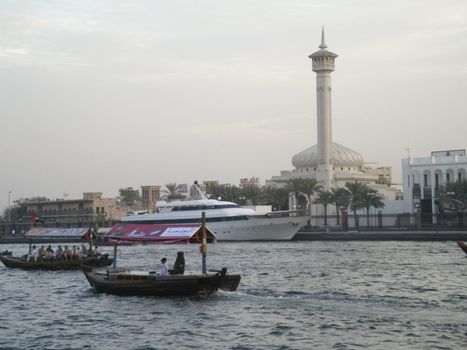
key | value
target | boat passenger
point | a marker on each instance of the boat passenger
(163, 269)
(73, 252)
(34, 253)
(59, 252)
(66, 253)
(49, 252)
(78, 254)
(41, 252)
(84, 250)
(97, 252)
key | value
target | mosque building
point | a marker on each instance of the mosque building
(330, 163)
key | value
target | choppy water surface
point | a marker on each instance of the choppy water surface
(296, 295)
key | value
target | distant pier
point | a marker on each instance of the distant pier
(381, 236)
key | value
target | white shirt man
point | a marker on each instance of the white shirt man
(163, 269)
(34, 253)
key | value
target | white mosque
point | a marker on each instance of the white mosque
(331, 163)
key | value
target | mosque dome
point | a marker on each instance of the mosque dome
(340, 156)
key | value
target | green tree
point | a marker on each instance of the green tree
(129, 196)
(458, 190)
(356, 189)
(371, 198)
(172, 191)
(341, 198)
(277, 197)
(309, 187)
(251, 193)
(19, 208)
(325, 198)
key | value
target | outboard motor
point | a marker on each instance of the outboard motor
(179, 266)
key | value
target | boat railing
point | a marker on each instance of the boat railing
(287, 213)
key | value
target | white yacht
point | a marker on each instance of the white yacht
(227, 220)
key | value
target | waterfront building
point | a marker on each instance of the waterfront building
(90, 208)
(424, 176)
(330, 163)
(150, 195)
(253, 181)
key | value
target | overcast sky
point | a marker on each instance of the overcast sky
(101, 95)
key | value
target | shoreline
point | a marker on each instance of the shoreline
(299, 236)
(381, 236)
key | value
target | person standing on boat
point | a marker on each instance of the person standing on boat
(34, 253)
(163, 269)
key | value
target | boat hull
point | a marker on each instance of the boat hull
(154, 285)
(258, 229)
(462, 246)
(71, 264)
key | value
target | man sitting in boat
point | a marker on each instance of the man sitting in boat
(163, 269)
(59, 252)
(66, 253)
(179, 265)
(41, 252)
(49, 252)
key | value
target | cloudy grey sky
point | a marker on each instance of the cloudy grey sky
(100, 95)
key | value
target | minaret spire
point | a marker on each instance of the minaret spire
(323, 63)
(323, 42)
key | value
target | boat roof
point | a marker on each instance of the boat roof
(158, 233)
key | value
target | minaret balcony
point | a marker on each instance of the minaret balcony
(317, 67)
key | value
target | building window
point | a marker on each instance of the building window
(459, 176)
(425, 180)
(436, 181)
(447, 177)
(97, 210)
(102, 210)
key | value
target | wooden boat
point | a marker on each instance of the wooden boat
(54, 264)
(125, 282)
(462, 245)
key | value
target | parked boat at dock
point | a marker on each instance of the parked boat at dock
(227, 220)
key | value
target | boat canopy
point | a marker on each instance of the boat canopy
(157, 233)
(56, 232)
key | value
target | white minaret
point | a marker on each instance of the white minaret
(323, 65)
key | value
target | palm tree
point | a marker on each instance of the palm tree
(172, 191)
(341, 200)
(276, 196)
(325, 198)
(458, 189)
(303, 187)
(356, 189)
(295, 186)
(252, 193)
(371, 198)
(310, 187)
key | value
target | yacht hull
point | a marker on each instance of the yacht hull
(258, 229)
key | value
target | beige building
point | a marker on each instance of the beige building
(150, 195)
(91, 207)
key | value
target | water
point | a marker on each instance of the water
(296, 295)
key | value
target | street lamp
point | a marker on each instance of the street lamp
(9, 206)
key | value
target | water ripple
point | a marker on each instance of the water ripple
(295, 295)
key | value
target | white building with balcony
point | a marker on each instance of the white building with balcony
(422, 178)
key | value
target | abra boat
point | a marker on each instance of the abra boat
(54, 264)
(227, 220)
(462, 245)
(147, 283)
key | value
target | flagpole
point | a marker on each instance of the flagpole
(204, 245)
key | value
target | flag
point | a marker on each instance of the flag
(89, 234)
(36, 218)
